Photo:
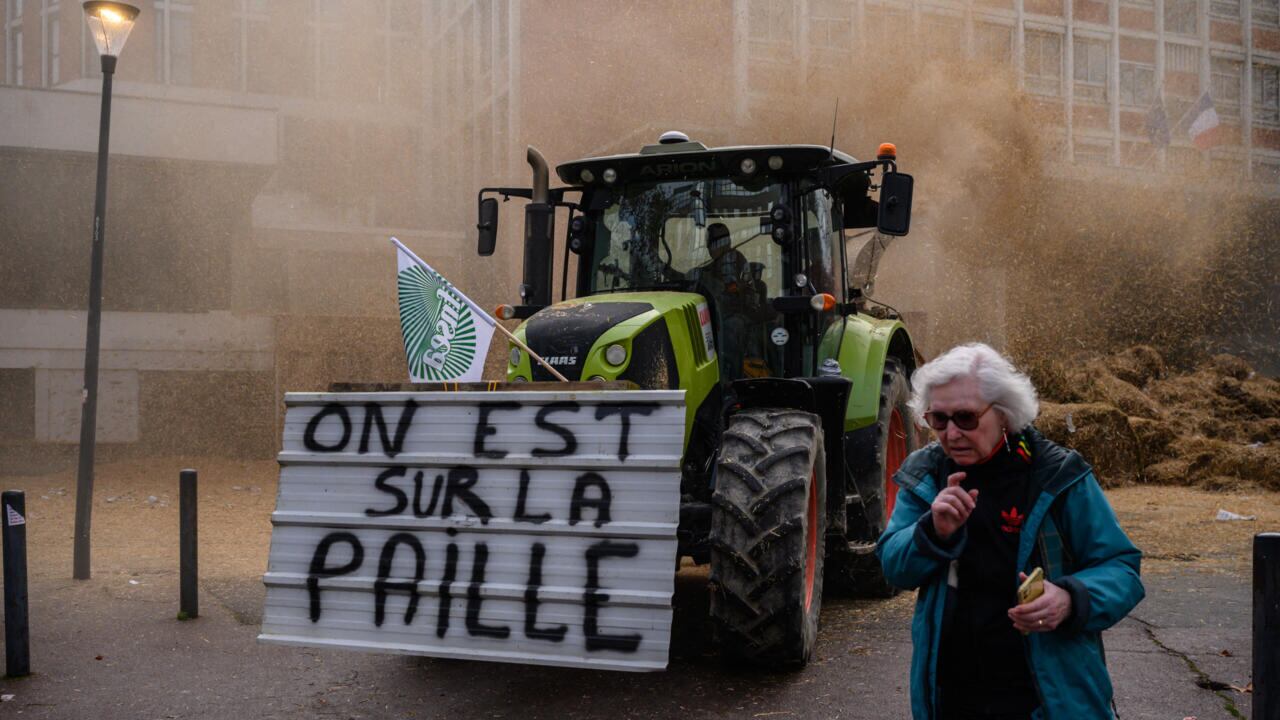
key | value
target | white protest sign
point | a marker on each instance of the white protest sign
(530, 527)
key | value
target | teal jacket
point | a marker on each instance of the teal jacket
(1083, 550)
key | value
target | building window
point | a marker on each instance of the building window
(1180, 16)
(830, 33)
(173, 42)
(251, 20)
(1266, 12)
(771, 23)
(1090, 72)
(1137, 85)
(333, 54)
(1229, 9)
(1044, 63)
(1266, 94)
(399, 32)
(51, 48)
(13, 41)
(1091, 151)
(1226, 85)
(1182, 58)
(993, 43)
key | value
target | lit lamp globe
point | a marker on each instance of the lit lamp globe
(110, 23)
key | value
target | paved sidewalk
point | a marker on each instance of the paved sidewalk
(111, 648)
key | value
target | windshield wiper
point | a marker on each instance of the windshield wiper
(674, 285)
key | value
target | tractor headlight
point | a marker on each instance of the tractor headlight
(587, 176)
(515, 357)
(775, 162)
(747, 166)
(609, 175)
(615, 354)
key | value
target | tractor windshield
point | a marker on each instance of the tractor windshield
(654, 235)
(708, 236)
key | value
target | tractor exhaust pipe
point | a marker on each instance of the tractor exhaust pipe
(540, 175)
(539, 236)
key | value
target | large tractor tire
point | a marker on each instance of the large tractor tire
(853, 566)
(768, 525)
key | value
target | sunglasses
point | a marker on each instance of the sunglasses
(964, 419)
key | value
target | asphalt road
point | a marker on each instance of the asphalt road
(111, 648)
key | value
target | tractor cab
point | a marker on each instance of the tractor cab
(756, 231)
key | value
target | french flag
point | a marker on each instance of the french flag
(1205, 127)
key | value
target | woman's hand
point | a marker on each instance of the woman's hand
(1043, 614)
(952, 507)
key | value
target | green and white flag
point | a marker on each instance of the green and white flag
(446, 336)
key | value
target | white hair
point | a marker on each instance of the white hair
(999, 383)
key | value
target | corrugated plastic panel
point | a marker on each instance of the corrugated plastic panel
(529, 527)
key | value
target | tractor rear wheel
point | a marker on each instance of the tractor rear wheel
(768, 525)
(854, 566)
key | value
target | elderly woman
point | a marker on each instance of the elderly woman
(976, 512)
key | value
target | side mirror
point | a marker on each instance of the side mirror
(895, 203)
(488, 226)
(860, 211)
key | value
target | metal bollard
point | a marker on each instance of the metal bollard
(17, 634)
(1266, 626)
(189, 605)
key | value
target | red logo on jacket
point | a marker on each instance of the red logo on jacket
(1012, 520)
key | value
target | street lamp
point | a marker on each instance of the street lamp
(110, 23)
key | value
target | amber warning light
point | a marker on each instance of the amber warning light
(823, 302)
(887, 151)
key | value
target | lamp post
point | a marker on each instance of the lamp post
(110, 23)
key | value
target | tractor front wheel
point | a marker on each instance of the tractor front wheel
(768, 525)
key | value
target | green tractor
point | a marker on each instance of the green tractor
(723, 272)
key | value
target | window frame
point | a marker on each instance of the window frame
(1194, 15)
(51, 43)
(1261, 14)
(985, 29)
(1134, 69)
(1036, 88)
(14, 43)
(1101, 147)
(1264, 113)
(165, 11)
(1097, 90)
(1226, 9)
(1225, 109)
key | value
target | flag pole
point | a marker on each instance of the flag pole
(511, 336)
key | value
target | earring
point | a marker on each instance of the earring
(1005, 433)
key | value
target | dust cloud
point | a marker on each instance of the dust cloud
(1056, 263)
(1142, 299)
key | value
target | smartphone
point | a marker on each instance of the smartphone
(1032, 587)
